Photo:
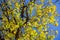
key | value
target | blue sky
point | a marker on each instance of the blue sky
(58, 28)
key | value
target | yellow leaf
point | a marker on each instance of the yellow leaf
(42, 0)
(17, 5)
(56, 24)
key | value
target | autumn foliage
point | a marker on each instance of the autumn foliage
(20, 21)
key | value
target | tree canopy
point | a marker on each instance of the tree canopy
(21, 21)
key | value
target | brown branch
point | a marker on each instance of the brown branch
(19, 29)
(17, 34)
(6, 15)
(22, 12)
(27, 16)
(1, 38)
(15, 20)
